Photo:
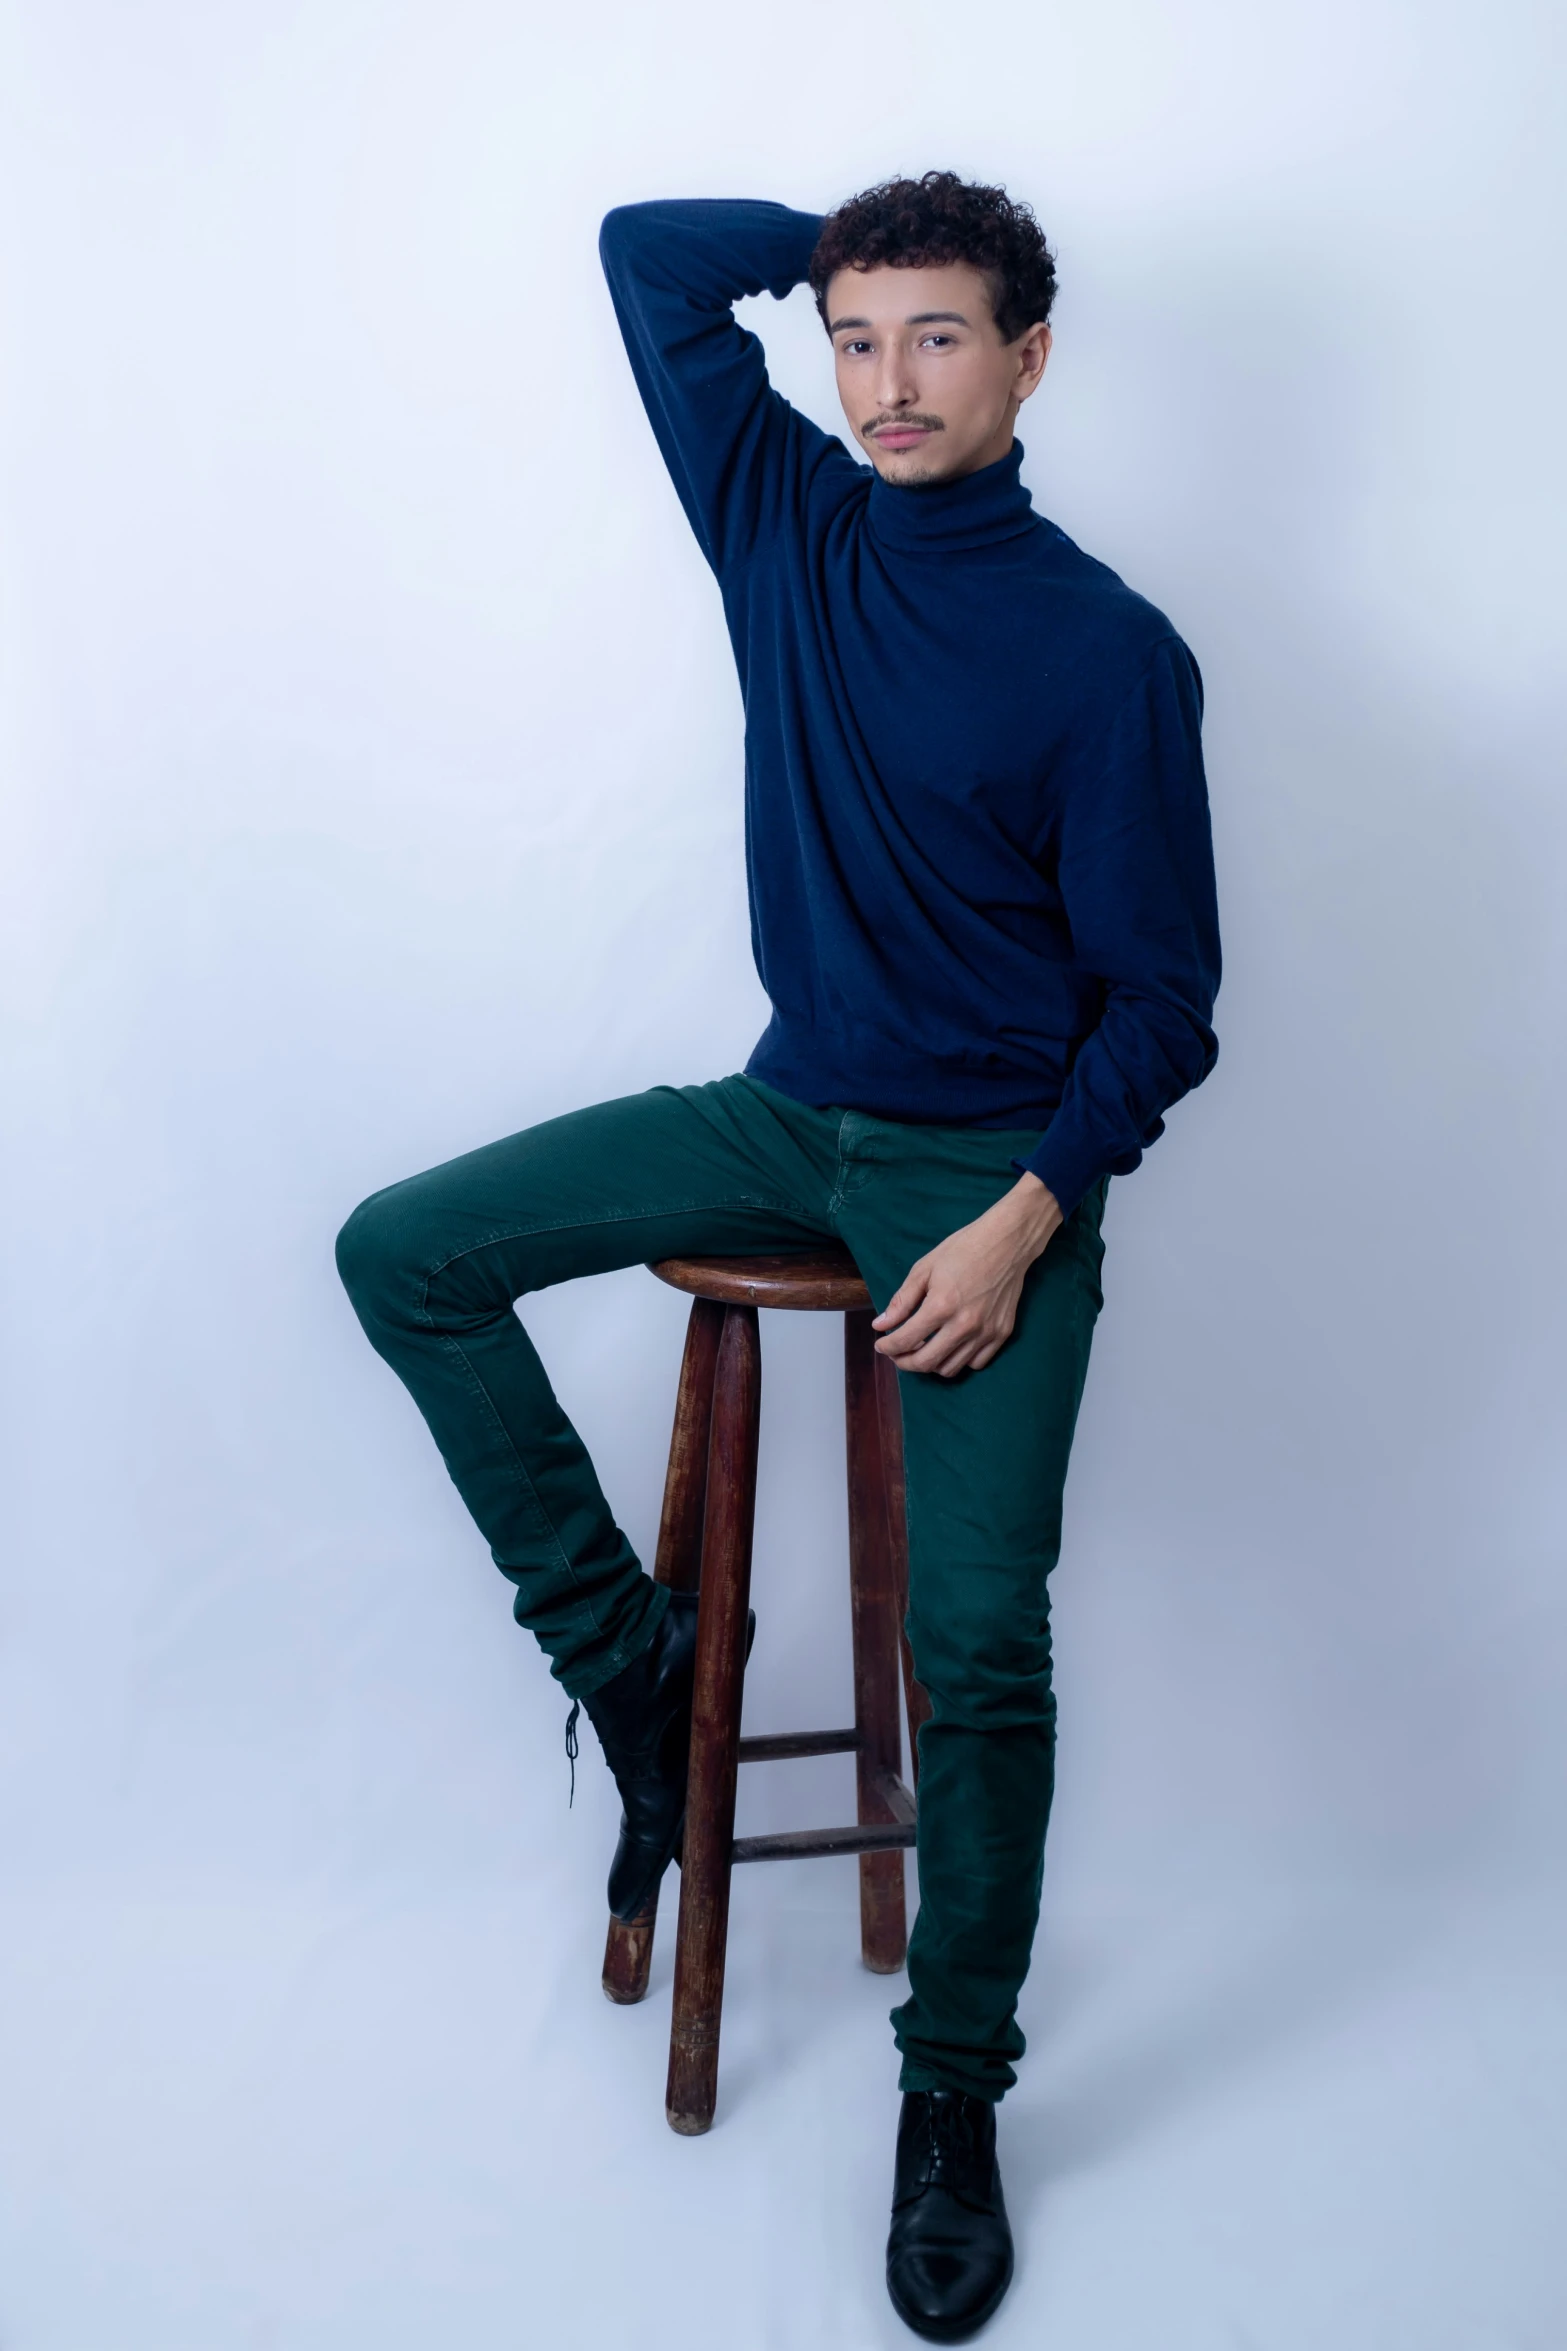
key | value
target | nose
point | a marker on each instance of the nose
(895, 387)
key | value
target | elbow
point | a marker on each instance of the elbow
(613, 233)
(622, 231)
(626, 226)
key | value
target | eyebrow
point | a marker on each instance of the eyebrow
(920, 318)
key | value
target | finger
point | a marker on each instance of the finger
(905, 1298)
(922, 1326)
(972, 1349)
(949, 1346)
(963, 1358)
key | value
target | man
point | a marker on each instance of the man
(983, 909)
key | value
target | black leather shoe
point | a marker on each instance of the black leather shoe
(643, 1719)
(949, 2253)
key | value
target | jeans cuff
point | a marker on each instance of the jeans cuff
(586, 1679)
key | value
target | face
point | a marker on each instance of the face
(928, 386)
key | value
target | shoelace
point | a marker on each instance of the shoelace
(571, 1748)
(951, 2152)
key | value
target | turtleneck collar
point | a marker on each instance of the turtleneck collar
(975, 510)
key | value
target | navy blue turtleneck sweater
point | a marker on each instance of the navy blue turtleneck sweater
(976, 825)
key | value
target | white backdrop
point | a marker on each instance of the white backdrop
(373, 789)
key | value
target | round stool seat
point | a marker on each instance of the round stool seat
(822, 1280)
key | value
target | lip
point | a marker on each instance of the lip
(902, 437)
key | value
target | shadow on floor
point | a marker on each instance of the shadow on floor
(1142, 2020)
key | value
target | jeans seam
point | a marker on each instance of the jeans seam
(520, 1467)
(835, 1203)
(566, 1224)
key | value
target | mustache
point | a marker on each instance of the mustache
(929, 424)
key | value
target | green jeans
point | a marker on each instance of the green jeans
(433, 1266)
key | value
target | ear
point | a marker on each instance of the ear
(1033, 349)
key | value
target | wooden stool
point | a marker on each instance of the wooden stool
(704, 1542)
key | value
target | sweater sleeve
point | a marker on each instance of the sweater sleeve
(674, 270)
(1136, 876)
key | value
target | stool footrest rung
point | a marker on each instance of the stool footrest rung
(889, 1836)
(783, 1746)
(808, 1844)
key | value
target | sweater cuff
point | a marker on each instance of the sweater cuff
(1066, 1165)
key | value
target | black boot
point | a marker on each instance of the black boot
(949, 2253)
(643, 1719)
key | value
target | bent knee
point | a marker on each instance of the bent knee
(374, 1250)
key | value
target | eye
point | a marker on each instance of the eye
(854, 345)
(939, 338)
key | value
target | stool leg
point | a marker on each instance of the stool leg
(715, 1726)
(679, 1561)
(890, 1405)
(628, 1948)
(874, 1606)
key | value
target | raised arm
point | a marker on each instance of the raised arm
(675, 269)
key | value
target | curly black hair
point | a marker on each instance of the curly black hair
(925, 223)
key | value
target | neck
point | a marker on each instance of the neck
(974, 509)
(998, 446)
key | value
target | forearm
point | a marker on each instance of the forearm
(705, 252)
(1144, 1055)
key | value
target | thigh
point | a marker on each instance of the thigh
(985, 1452)
(674, 1170)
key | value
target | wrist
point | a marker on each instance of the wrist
(1033, 1212)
